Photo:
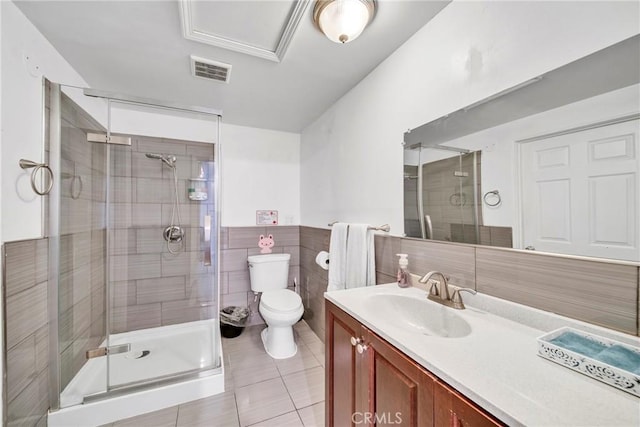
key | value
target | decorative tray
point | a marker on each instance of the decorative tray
(606, 360)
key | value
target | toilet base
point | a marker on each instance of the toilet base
(278, 342)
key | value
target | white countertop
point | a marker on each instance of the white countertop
(497, 365)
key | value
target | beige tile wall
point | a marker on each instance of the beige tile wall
(237, 243)
(314, 279)
(152, 287)
(26, 369)
(602, 293)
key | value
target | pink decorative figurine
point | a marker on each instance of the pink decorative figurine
(266, 243)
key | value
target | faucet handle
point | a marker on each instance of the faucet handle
(456, 299)
(433, 289)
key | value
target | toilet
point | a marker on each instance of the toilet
(280, 308)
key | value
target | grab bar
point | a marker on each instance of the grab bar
(28, 164)
(207, 240)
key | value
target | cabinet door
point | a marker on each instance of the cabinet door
(345, 390)
(400, 391)
(454, 410)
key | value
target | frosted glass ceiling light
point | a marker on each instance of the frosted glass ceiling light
(343, 20)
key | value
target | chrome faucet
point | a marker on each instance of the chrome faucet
(439, 291)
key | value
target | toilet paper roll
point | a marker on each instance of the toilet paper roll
(322, 259)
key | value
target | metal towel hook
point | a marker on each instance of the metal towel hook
(28, 164)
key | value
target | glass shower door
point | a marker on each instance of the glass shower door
(133, 226)
(162, 239)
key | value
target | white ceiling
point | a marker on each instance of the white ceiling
(138, 48)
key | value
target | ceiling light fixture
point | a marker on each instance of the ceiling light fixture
(343, 21)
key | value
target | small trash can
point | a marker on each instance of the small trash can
(232, 320)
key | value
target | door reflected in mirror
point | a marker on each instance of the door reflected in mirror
(551, 165)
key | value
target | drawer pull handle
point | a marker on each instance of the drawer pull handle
(361, 348)
(355, 341)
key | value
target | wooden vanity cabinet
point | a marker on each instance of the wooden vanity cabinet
(370, 382)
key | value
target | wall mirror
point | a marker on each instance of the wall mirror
(549, 165)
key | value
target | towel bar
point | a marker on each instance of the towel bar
(385, 227)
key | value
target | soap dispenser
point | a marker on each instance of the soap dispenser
(403, 276)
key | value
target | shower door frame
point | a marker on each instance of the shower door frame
(55, 146)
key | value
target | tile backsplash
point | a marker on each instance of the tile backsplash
(598, 292)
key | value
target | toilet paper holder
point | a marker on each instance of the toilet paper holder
(322, 259)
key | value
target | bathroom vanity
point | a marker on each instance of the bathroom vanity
(395, 358)
(369, 378)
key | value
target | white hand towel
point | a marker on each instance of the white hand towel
(360, 260)
(337, 256)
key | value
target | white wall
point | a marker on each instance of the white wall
(260, 171)
(351, 157)
(22, 116)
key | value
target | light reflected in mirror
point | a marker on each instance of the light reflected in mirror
(550, 165)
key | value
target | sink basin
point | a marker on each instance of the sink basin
(421, 316)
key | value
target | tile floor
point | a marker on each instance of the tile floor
(260, 391)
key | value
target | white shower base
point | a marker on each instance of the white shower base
(172, 350)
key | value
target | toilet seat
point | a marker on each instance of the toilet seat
(281, 300)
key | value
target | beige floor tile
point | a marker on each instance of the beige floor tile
(263, 401)
(215, 410)
(306, 387)
(304, 359)
(252, 368)
(291, 419)
(312, 416)
(163, 418)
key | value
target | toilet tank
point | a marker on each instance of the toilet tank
(268, 272)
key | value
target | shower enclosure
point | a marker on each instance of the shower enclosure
(441, 188)
(133, 224)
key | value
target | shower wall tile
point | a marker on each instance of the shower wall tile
(26, 332)
(21, 366)
(135, 317)
(182, 311)
(123, 293)
(160, 290)
(175, 264)
(200, 289)
(148, 240)
(145, 167)
(153, 190)
(26, 312)
(132, 267)
(20, 274)
(32, 404)
(122, 241)
(201, 151)
(146, 215)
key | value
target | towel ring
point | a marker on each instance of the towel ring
(28, 164)
(495, 194)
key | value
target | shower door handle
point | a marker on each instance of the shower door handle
(207, 240)
(427, 219)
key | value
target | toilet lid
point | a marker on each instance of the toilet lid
(281, 300)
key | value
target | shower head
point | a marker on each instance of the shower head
(169, 160)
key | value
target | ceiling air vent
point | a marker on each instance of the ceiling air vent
(211, 70)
